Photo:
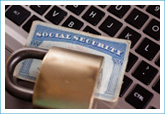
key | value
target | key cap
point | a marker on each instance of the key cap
(136, 18)
(40, 9)
(145, 73)
(28, 24)
(130, 34)
(110, 26)
(93, 15)
(118, 10)
(131, 61)
(126, 84)
(90, 30)
(56, 15)
(153, 29)
(148, 49)
(139, 97)
(72, 22)
(157, 62)
(102, 6)
(140, 6)
(156, 87)
(17, 14)
(6, 6)
(154, 10)
(77, 9)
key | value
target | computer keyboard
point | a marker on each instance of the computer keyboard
(140, 24)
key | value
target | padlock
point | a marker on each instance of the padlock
(67, 79)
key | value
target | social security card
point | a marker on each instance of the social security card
(115, 52)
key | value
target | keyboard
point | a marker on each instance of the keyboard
(140, 24)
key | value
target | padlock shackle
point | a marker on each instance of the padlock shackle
(13, 60)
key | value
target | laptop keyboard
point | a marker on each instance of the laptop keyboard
(142, 78)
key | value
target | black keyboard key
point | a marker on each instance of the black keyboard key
(55, 15)
(145, 73)
(126, 84)
(17, 14)
(110, 26)
(156, 87)
(93, 15)
(77, 9)
(40, 9)
(139, 97)
(102, 6)
(72, 22)
(154, 10)
(140, 6)
(28, 24)
(118, 10)
(91, 30)
(157, 62)
(131, 61)
(148, 49)
(153, 29)
(136, 18)
(130, 34)
(6, 6)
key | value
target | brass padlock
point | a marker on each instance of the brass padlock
(66, 79)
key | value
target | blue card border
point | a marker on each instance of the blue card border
(76, 0)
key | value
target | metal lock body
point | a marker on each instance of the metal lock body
(66, 78)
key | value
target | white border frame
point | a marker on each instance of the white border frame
(3, 110)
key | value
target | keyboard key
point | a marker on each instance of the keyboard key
(148, 49)
(140, 6)
(131, 61)
(145, 73)
(28, 24)
(91, 30)
(110, 26)
(157, 62)
(72, 22)
(93, 15)
(17, 14)
(40, 9)
(154, 10)
(130, 34)
(153, 29)
(118, 10)
(102, 6)
(55, 15)
(77, 9)
(136, 18)
(126, 84)
(6, 6)
(139, 97)
(156, 87)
